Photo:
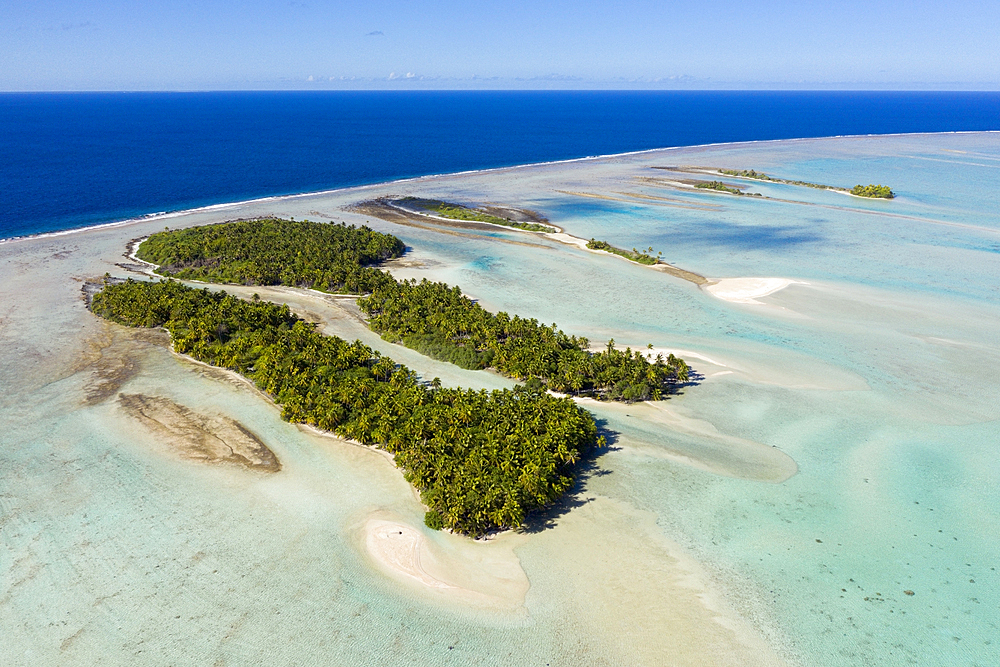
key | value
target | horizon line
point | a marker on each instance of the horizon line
(503, 90)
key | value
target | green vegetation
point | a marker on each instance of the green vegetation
(461, 329)
(640, 256)
(436, 346)
(719, 186)
(873, 191)
(328, 257)
(748, 173)
(481, 460)
(431, 318)
(458, 212)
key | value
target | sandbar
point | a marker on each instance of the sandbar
(480, 573)
(747, 290)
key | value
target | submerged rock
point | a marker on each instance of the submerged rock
(199, 437)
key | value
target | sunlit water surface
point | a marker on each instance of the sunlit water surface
(876, 374)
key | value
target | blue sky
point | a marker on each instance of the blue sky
(372, 44)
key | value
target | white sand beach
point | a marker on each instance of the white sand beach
(747, 290)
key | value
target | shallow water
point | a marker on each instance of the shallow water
(876, 374)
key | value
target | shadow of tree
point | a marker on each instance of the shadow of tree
(576, 497)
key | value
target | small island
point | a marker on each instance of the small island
(638, 256)
(719, 186)
(873, 191)
(759, 176)
(487, 215)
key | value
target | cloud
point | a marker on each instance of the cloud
(375, 33)
(556, 77)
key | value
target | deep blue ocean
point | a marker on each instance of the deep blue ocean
(76, 159)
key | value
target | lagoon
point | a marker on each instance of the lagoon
(837, 453)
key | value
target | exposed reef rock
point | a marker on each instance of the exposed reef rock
(199, 437)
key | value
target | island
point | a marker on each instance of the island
(873, 191)
(481, 460)
(638, 256)
(434, 319)
(719, 186)
(530, 222)
(870, 191)
(759, 176)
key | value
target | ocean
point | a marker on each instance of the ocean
(825, 493)
(70, 160)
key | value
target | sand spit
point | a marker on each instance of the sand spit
(393, 212)
(476, 572)
(199, 437)
(748, 290)
(397, 547)
(663, 267)
(379, 208)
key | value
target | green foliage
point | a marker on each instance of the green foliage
(873, 191)
(481, 460)
(719, 186)
(877, 191)
(640, 256)
(433, 520)
(458, 212)
(431, 318)
(747, 173)
(327, 257)
(438, 347)
(517, 347)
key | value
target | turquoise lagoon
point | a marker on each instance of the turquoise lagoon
(825, 493)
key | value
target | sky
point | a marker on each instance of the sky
(578, 44)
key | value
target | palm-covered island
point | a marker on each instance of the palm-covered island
(871, 191)
(481, 460)
(439, 320)
(638, 256)
(329, 257)
(432, 318)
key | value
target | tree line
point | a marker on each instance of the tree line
(873, 191)
(517, 347)
(482, 460)
(329, 257)
(433, 318)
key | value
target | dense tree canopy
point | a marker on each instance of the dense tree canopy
(432, 318)
(481, 460)
(324, 256)
(517, 347)
(873, 191)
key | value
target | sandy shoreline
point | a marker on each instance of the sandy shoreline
(748, 290)
(397, 547)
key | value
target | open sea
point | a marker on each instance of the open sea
(78, 159)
